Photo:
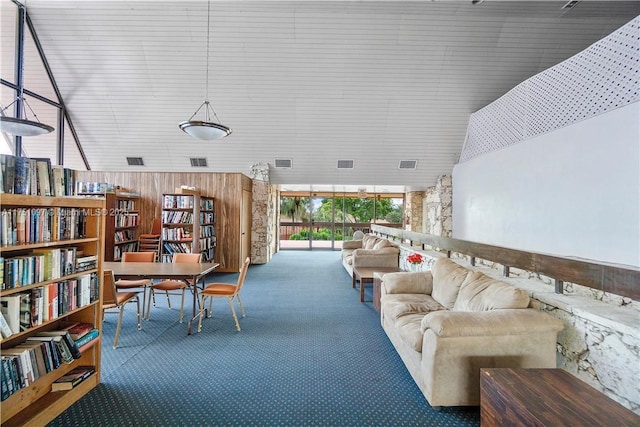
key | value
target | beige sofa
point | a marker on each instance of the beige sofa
(371, 251)
(449, 322)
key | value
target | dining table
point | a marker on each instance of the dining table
(194, 274)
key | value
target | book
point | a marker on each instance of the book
(8, 166)
(10, 309)
(87, 338)
(78, 329)
(4, 327)
(72, 378)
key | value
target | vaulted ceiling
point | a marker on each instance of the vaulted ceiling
(313, 82)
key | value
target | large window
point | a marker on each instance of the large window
(324, 221)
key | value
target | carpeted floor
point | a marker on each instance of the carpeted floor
(309, 353)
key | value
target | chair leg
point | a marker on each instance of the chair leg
(115, 339)
(144, 300)
(201, 313)
(168, 299)
(241, 306)
(233, 312)
(152, 294)
(138, 312)
(182, 305)
(210, 307)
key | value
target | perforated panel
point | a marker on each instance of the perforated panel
(603, 77)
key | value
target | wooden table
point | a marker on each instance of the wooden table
(546, 397)
(165, 270)
(365, 275)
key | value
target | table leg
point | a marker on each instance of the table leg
(195, 303)
(353, 279)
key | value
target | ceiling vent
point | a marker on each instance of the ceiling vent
(345, 164)
(135, 161)
(570, 4)
(198, 162)
(283, 163)
(408, 164)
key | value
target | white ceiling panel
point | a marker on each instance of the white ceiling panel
(310, 81)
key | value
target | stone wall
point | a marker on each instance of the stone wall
(413, 211)
(437, 216)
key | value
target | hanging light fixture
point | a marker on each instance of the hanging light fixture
(206, 129)
(21, 125)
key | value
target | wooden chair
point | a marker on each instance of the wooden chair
(225, 290)
(150, 242)
(170, 286)
(140, 283)
(112, 299)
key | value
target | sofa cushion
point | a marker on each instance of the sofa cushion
(382, 243)
(409, 330)
(398, 305)
(480, 292)
(369, 240)
(447, 279)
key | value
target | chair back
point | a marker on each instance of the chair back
(156, 227)
(138, 256)
(109, 288)
(187, 258)
(243, 274)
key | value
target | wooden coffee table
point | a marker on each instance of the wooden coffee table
(546, 397)
(365, 275)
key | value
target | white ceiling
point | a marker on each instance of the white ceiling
(311, 81)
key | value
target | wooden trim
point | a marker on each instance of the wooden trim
(612, 278)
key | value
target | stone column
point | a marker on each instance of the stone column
(438, 208)
(413, 211)
(264, 216)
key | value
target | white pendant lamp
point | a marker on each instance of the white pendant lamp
(206, 129)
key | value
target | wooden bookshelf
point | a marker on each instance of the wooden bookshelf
(122, 223)
(188, 226)
(35, 404)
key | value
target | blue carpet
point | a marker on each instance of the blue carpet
(309, 353)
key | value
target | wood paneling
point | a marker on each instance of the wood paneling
(225, 188)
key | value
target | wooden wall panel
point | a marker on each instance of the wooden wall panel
(226, 188)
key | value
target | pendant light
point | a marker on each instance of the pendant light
(206, 129)
(21, 125)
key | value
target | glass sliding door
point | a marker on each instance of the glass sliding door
(294, 222)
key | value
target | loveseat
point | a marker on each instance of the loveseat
(449, 322)
(370, 251)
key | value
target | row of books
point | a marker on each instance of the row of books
(125, 205)
(124, 235)
(207, 255)
(206, 204)
(37, 225)
(34, 176)
(24, 310)
(207, 243)
(182, 248)
(126, 219)
(207, 231)
(207, 218)
(42, 265)
(177, 217)
(176, 233)
(42, 353)
(94, 187)
(127, 247)
(177, 202)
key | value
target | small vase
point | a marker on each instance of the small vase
(414, 267)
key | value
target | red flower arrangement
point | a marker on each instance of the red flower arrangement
(415, 258)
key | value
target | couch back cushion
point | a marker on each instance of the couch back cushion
(447, 279)
(369, 240)
(382, 243)
(480, 292)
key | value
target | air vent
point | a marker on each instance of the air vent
(570, 4)
(408, 164)
(135, 161)
(283, 163)
(198, 162)
(345, 164)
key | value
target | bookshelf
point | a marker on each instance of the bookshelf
(188, 226)
(60, 249)
(122, 222)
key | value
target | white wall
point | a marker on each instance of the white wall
(572, 192)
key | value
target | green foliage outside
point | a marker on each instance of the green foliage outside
(321, 234)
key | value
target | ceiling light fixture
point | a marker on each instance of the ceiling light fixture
(206, 129)
(21, 125)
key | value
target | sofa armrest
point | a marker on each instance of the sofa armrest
(352, 244)
(420, 282)
(525, 321)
